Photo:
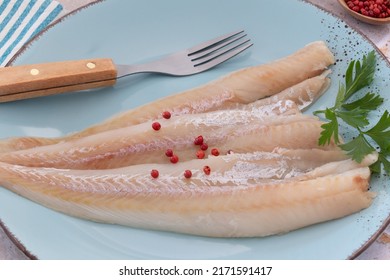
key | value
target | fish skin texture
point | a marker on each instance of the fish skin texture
(305, 67)
(245, 206)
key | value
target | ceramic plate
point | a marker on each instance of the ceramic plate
(135, 31)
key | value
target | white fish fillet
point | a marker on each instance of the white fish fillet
(271, 176)
(226, 203)
(303, 94)
(261, 129)
(240, 87)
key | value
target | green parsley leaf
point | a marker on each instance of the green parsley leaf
(359, 74)
(358, 148)
(380, 133)
(330, 129)
(376, 167)
(370, 101)
(340, 95)
(364, 74)
(356, 117)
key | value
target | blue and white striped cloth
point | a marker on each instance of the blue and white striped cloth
(20, 20)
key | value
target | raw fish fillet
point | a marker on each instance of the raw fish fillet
(243, 86)
(271, 176)
(257, 129)
(245, 195)
(303, 94)
(299, 77)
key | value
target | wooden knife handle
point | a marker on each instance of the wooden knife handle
(28, 81)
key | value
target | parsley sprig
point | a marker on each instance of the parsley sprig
(359, 75)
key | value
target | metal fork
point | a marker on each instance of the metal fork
(193, 60)
(28, 81)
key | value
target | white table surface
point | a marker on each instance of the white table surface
(379, 35)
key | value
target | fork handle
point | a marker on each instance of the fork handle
(28, 81)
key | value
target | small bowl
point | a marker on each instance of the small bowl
(366, 19)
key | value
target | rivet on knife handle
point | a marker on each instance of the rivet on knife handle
(27, 81)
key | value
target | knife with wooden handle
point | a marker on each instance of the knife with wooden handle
(28, 81)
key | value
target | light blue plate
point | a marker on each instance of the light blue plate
(134, 31)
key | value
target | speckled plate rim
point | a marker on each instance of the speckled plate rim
(386, 223)
(29, 255)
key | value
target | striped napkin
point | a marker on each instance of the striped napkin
(20, 20)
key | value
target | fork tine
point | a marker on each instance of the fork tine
(221, 58)
(223, 54)
(212, 42)
(209, 51)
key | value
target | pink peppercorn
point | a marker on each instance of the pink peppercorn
(169, 152)
(174, 159)
(204, 147)
(370, 8)
(215, 152)
(187, 174)
(207, 170)
(166, 115)
(198, 140)
(154, 173)
(156, 126)
(200, 154)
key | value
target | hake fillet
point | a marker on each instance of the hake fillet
(243, 86)
(244, 196)
(258, 129)
(271, 176)
(299, 77)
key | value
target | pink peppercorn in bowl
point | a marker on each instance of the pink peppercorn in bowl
(369, 11)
